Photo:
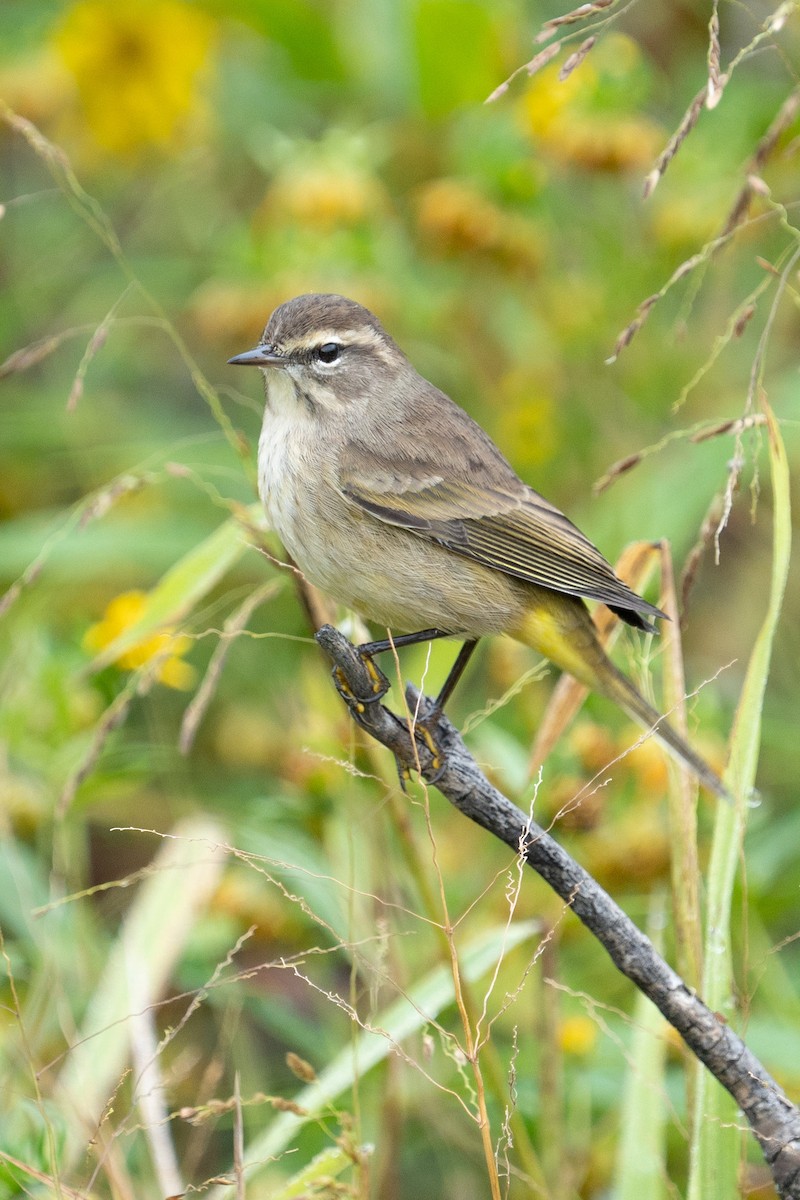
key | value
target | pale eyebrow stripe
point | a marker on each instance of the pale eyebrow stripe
(365, 339)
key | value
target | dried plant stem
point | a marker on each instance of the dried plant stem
(682, 794)
(710, 94)
(715, 80)
(774, 1120)
(581, 13)
(471, 1047)
(492, 1068)
(687, 124)
(90, 211)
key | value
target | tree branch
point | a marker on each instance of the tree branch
(774, 1119)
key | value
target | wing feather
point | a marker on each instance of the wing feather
(510, 527)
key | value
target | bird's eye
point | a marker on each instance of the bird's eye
(329, 352)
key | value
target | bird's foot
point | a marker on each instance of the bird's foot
(379, 684)
(434, 773)
(423, 730)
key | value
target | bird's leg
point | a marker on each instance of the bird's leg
(456, 671)
(366, 652)
(423, 727)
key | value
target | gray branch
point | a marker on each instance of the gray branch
(774, 1119)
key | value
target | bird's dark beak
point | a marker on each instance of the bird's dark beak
(262, 356)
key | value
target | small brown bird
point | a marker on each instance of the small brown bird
(391, 499)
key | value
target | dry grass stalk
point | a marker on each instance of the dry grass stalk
(716, 81)
(695, 556)
(643, 311)
(530, 68)
(743, 320)
(690, 119)
(762, 153)
(576, 59)
(737, 425)
(571, 18)
(196, 709)
(96, 343)
(38, 351)
(620, 467)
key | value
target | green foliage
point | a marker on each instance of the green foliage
(171, 172)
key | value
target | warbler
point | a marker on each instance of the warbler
(392, 499)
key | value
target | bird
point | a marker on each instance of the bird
(391, 499)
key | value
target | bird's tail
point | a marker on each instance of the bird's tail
(618, 687)
(563, 631)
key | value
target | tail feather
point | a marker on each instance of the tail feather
(617, 687)
(560, 627)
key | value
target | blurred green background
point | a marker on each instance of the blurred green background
(214, 160)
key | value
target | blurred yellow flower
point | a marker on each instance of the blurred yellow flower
(574, 302)
(685, 221)
(136, 67)
(593, 745)
(166, 647)
(240, 895)
(577, 1036)
(455, 218)
(634, 851)
(588, 118)
(648, 764)
(244, 736)
(36, 86)
(324, 195)
(227, 313)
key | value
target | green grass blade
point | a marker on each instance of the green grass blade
(641, 1167)
(715, 1138)
(183, 585)
(168, 902)
(404, 1017)
(326, 1166)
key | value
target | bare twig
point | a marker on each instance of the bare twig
(774, 1120)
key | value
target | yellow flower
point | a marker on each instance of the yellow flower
(603, 143)
(688, 220)
(36, 86)
(136, 67)
(634, 851)
(648, 764)
(594, 745)
(587, 118)
(325, 196)
(226, 312)
(577, 1036)
(456, 218)
(166, 647)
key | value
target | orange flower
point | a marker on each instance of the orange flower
(457, 218)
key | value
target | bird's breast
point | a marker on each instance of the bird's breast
(385, 573)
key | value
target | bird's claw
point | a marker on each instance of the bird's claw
(423, 734)
(380, 686)
(438, 759)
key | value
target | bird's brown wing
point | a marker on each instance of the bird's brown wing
(510, 528)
